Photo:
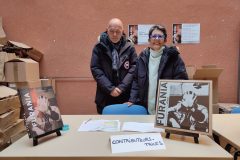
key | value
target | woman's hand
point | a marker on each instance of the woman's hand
(129, 103)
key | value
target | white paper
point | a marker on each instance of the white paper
(100, 125)
(143, 31)
(140, 127)
(136, 142)
(191, 33)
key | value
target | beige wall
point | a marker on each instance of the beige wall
(66, 30)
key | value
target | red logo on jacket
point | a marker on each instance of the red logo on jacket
(126, 65)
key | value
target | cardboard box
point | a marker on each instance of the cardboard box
(21, 70)
(33, 84)
(209, 73)
(215, 108)
(3, 38)
(13, 130)
(9, 99)
(191, 69)
(4, 57)
(9, 104)
(31, 52)
(49, 82)
(6, 92)
(225, 108)
(9, 118)
(20, 85)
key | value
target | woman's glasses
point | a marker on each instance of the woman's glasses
(157, 36)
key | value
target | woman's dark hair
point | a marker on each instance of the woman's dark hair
(160, 28)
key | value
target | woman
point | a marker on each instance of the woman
(155, 62)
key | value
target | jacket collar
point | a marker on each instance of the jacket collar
(106, 43)
(168, 52)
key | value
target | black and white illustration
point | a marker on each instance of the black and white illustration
(184, 105)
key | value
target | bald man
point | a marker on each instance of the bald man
(112, 65)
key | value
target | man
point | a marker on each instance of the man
(112, 65)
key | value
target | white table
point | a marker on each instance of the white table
(227, 126)
(96, 145)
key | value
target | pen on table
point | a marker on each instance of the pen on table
(88, 120)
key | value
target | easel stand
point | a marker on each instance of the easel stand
(194, 135)
(35, 139)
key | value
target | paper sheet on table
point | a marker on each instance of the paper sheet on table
(140, 127)
(100, 125)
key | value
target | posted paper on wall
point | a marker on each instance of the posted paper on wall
(136, 142)
(186, 33)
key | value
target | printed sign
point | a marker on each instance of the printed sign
(136, 142)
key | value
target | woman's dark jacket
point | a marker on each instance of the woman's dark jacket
(171, 67)
(106, 77)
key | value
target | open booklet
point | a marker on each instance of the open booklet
(100, 125)
(114, 126)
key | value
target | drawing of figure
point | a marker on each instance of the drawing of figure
(188, 114)
(177, 33)
(133, 34)
(47, 116)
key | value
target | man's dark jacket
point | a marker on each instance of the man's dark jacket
(171, 67)
(107, 78)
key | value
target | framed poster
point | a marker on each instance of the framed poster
(184, 105)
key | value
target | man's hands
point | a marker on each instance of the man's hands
(128, 103)
(116, 92)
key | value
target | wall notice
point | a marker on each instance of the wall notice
(186, 33)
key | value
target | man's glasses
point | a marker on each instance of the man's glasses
(157, 36)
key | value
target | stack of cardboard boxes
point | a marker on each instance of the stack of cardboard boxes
(11, 126)
(207, 72)
(16, 73)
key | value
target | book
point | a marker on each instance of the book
(185, 106)
(41, 112)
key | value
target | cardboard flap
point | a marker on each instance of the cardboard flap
(210, 66)
(35, 55)
(30, 51)
(20, 45)
(27, 60)
(207, 73)
(3, 38)
(2, 33)
(6, 92)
